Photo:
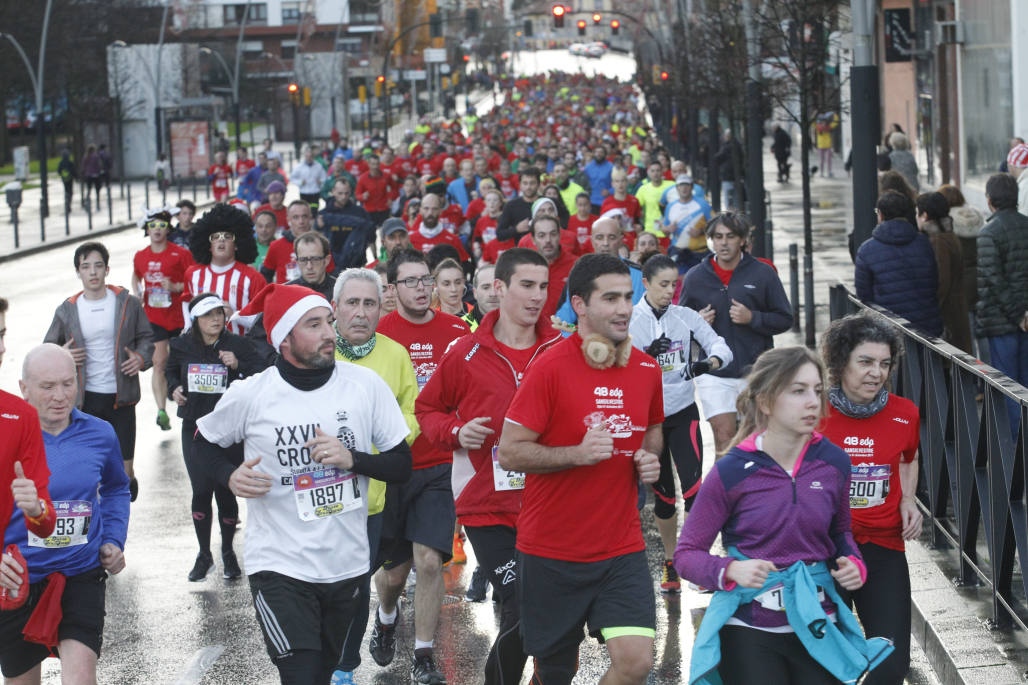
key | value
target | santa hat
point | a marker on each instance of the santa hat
(283, 306)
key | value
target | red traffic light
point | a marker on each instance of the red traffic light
(381, 79)
(467, 58)
(581, 23)
(559, 10)
(293, 88)
(664, 76)
(597, 17)
(615, 24)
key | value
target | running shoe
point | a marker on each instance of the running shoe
(459, 557)
(230, 566)
(383, 641)
(204, 563)
(478, 587)
(424, 672)
(163, 421)
(342, 678)
(669, 583)
(133, 489)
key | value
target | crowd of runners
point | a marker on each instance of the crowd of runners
(499, 332)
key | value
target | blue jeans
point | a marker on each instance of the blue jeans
(729, 195)
(1009, 354)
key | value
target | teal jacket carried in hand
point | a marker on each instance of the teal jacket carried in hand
(838, 646)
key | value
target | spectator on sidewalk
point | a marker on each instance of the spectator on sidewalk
(903, 159)
(1014, 142)
(1002, 310)
(781, 147)
(729, 159)
(826, 123)
(933, 220)
(92, 172)
(66, 170)
(896, 268)
(967, 222)
(106, 164)
(1017, 162)
(162, 172)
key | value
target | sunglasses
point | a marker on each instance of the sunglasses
(223, 235)
(157, 224)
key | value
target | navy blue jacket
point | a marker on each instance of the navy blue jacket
(896, 270)
(753, 284)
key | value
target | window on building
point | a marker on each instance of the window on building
(291, 13)
(288, 49)
(233, 14)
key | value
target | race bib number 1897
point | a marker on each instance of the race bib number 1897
(329, 492)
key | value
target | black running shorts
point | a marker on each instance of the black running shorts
(424, 513)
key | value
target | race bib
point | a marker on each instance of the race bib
(292, 271)
(325, 493)
(773, 599)
(504, 479)
(673, 359)
(208, 379)
(869, 486)
(72, 527)
(158, 297)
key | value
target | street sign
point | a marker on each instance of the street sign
(444, 68)
(436, 55)
(21, 162)
(414, 75)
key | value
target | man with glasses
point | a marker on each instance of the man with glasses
(312, 256)
(425, 512)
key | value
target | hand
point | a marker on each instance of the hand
(365, 195)
(112, 558)
(168, 285)
(473, 433)
(708, 314)
(245, 481)
(1024, 323)
(647, 465)
(522, 226)
(911, 517)
(321, 221)
(25, 495)
(134, 364)
(596, 446)
(328, 449)
(740, 313)
(10, 574)
(751, 573)
(848, 574)
(178, 396)
(699, 368)
(228, 359)
(658, 346)
(77, 353)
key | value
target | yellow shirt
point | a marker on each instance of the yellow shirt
(391, 362)
(649, 199)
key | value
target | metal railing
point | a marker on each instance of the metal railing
(973, 472)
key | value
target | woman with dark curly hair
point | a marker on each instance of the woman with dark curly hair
(879, 431)
(223, 244)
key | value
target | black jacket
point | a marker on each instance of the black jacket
(513, 213)
(349, 230)
(188, 349)
(1002, 273)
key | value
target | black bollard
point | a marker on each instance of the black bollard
(794, 285)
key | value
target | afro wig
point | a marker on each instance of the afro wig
(223, 217)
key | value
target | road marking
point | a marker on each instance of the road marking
(201, 660)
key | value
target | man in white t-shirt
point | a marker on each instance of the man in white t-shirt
(308, 426)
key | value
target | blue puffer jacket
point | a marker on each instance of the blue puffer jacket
(896, 269)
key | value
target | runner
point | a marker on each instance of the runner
(223, 245)
(880, 432)
(486, 296)
(425, 515)
(745, 303)
(219, 176)
(775, 583)
(202, 364)
(67, 570)
(585, 426)
(105, 329)
(668, 333)
(280, 265)
(312, 256)
(457, 411)
(450, 287)
(307, 426)
(546, 237)
(184, 211)
(158, 277)
(357, 306)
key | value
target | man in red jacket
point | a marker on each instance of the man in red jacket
(458, 412)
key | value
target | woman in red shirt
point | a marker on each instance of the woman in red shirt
(880, 432)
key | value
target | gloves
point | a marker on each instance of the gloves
(658, 346)
(699, 368)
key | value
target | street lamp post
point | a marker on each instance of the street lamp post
(36, 77)
(234, 82)
(157, 85)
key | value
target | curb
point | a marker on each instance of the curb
(953, 634)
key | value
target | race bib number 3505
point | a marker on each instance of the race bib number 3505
(72, 527)
(325, 493)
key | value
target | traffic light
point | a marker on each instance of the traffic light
(597, 17)
(467, 58)
(294, 93)
(528, 29)
(615, 27)
(471, 20)
(435, 25)
(558, 16)
(581, 27)
(664, 76)
(306, 96)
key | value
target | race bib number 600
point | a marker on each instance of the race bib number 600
(72, 527)
(325, 493)
(869, 485)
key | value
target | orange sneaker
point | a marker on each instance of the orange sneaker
(459, 557)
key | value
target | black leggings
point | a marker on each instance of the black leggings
(204, 486)
(883, 606)
(683, 445)
(305, 667)
(494, 549)
(751, 656)
(122, 418)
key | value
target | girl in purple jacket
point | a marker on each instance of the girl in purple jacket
(779, 495)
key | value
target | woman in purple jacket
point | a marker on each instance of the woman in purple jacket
(778, 496)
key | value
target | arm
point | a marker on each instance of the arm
(709, 513)
(173, 367)
(910, 514)
(30, 479)
(143, 336)
(220, 465)
(56, 333)
(114, 495)
(437, 406)
(713, 344)
(520, 451)
(863, 279)
(777, 318)
(841, 533)
(391, 466)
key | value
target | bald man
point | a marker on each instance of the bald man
(90, 493)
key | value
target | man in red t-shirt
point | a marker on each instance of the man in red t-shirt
(546, 236)
(425, 513)
(159, 277)
(243, 163)
(280, 265)
(219, 175)
(457, 411)
(576, 237)
(375, 190)
(585, 426)
(430, 230)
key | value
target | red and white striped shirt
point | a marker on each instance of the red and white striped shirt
(236, 284)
